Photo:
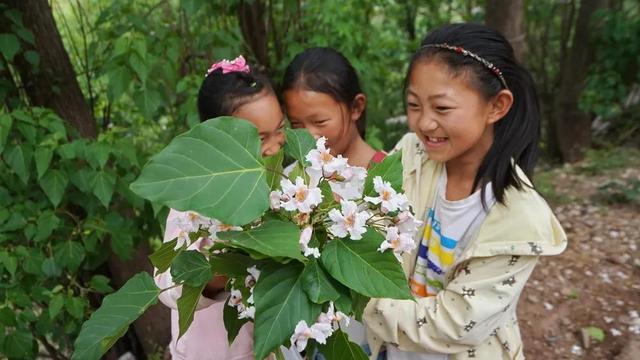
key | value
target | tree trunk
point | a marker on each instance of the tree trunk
(505, 16)
(573, 126)
(251, 16)
(55, 86)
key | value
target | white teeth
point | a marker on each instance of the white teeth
(436, 139)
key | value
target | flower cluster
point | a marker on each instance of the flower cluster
(323, 328)
(191, 222)
(245, 311)
(346, 181)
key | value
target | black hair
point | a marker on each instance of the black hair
(516, 135)
(222, 94)
(325, 70)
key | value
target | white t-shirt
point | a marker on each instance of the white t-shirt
(450, 225)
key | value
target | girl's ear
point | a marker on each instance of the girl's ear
(500, 105)
(358, 106)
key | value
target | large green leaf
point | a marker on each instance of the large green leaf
(390, 169)
(317, 285)
(274, 238)
(338, 347)
(54, 183)
(46, 223)
(97, 154)
(69, 254)
(19, 159)
(118, 310)
(187, 306)
(43, 155)
(103, 184)
(119, 80)
(280, 304)
(9, 46)
(231, 322)
(20, 344)
(163, 257)
(361, 267)
(215, 169)
(192, 268)
(299, 143)
(147, 100)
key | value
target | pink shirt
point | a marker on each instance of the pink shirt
(206, 338)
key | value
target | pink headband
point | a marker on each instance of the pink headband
(238, 64)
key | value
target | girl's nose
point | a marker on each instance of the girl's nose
(427, 124)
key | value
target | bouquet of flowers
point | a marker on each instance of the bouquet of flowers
(303, 249)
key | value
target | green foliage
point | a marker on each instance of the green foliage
(600, 161)
(58, 223)
(614, 74)
(626, 191)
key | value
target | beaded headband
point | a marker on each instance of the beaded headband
(468, 53)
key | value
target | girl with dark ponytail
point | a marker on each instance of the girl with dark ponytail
(474, 115)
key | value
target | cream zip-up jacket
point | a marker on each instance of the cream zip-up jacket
(474, 316)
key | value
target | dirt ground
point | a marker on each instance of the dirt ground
(594, 286)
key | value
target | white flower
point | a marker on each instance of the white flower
(247, 313)
(407, 223)
(236, 298)
(301, 197)
(322, 160)
(350, 221)
(215, 226)
(320, 332)
(350, 182)
(252, 278)
(188, 222)
(389, 199)
(301, 336)
(305, 237)
(274, 199)
(399, 242)
(332, 317)
(302, 333)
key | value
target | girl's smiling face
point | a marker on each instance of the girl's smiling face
(324, 116)
(452, 119)
(265, 113)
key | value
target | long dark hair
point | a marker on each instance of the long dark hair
(516, 134)
(325, 70)
(222, 94)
